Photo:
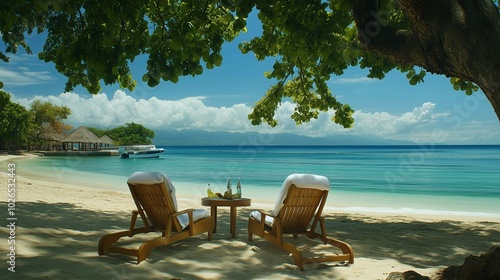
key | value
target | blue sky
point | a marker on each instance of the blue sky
(220, 100)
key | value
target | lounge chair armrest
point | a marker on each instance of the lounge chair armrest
(190, 222)
(133, 219)
(266, 213)
(182, 212)
(262, 222)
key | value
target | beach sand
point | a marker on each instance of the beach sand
(59, 225)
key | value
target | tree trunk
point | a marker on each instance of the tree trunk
(455, 38)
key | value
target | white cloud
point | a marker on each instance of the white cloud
(421, 125)
(22, 76)
(383, 123)
(354, 80)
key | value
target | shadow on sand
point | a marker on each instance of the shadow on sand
(59, 241)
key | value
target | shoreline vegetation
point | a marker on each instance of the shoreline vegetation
(59, 224)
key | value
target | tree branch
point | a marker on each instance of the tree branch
(455, 38)
(377, 36)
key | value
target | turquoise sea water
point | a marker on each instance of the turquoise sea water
(462, 180)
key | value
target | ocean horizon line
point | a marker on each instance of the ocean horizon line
(335, 145)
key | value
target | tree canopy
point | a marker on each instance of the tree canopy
(20, 126)
(90, 41)
(129, 134)
(15, 122)
(48, 118)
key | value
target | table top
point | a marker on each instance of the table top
(209, 201)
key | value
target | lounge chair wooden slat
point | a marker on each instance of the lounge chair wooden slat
(156, 209)
(300, 214)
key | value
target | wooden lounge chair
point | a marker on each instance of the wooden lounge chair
(298, 211)
(154, 196)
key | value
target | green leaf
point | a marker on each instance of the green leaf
(218, 60)
(198, 70)
(413, 80)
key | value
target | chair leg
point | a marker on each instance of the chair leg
(323, 230)
(346, 248)
(108, 240)
(251, 225)
(343, 246)
(145, 248)
(297, 255)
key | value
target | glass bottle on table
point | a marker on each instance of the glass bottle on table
(238, 189)
(229, 190)
(210, 193)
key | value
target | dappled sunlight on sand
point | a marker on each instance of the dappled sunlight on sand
(59, 230)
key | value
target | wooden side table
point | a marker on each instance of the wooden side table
(232, 203)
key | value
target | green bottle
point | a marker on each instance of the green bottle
(238, 189)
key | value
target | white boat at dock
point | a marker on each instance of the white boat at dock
(140, 151)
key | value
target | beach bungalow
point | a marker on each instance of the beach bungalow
(52, 141)
(81, 139)
(106, 141)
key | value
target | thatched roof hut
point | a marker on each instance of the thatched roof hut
(51, 140)
(85, 138)
(106, 141)
(53, 136)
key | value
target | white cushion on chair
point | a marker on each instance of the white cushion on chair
(146, 178)
(257, 215)
(198, 214)
(151, 178)
(300, 181)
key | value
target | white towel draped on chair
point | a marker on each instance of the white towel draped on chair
(300, 181)
(149, 178)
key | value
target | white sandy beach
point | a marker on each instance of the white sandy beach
(59, 225)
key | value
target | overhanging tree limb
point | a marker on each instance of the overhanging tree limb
(455, 38)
